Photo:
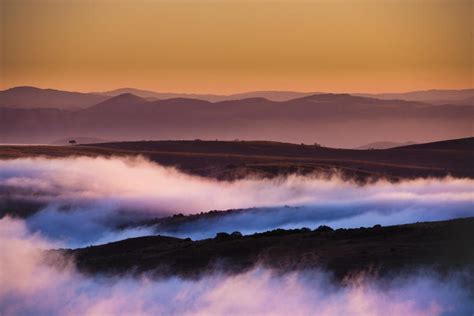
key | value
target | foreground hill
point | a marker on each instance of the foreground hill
(237, 159)
(337, 120)
(443, 245)
(453, 144)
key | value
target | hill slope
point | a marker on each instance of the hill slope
(440, 245)
(451, 144)
(230, 160)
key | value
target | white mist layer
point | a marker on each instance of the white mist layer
(29, 287)
(335, 215)
(101, 193)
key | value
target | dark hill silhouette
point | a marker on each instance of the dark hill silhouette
(445, 246)
(450, 144)
(30, 97)
(236, 159)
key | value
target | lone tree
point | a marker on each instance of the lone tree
(72, 142)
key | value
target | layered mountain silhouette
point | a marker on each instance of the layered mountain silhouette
(270, 95)
(31, 97)
(337, 120)
(437, 97)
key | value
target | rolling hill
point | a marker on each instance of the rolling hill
(237, 159)
(445, 246)
(452, 144)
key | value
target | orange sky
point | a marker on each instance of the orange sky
(232, 46)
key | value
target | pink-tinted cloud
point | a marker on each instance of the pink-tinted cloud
(101, 193)
(28, 286)
(136, 182)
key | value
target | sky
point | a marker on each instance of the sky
(234, 46)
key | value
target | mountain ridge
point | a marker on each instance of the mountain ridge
(32, 97)
(321, 118)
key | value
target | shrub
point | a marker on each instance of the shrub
(222, 236)
(236, 234)
(323, 228)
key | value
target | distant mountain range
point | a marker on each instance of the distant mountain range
(269, 95)
(31, 97)
(437, 97)
(337, 120)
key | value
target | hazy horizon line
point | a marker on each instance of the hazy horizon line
(98, 91)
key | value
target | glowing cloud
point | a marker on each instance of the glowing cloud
(29, 286)
(103, 193)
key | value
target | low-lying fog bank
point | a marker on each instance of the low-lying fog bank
(81, 201)
(336, 215)
(30, 286)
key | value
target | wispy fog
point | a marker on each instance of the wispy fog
(82, 201)
(29, 286)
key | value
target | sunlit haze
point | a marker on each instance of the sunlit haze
(233, 46)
